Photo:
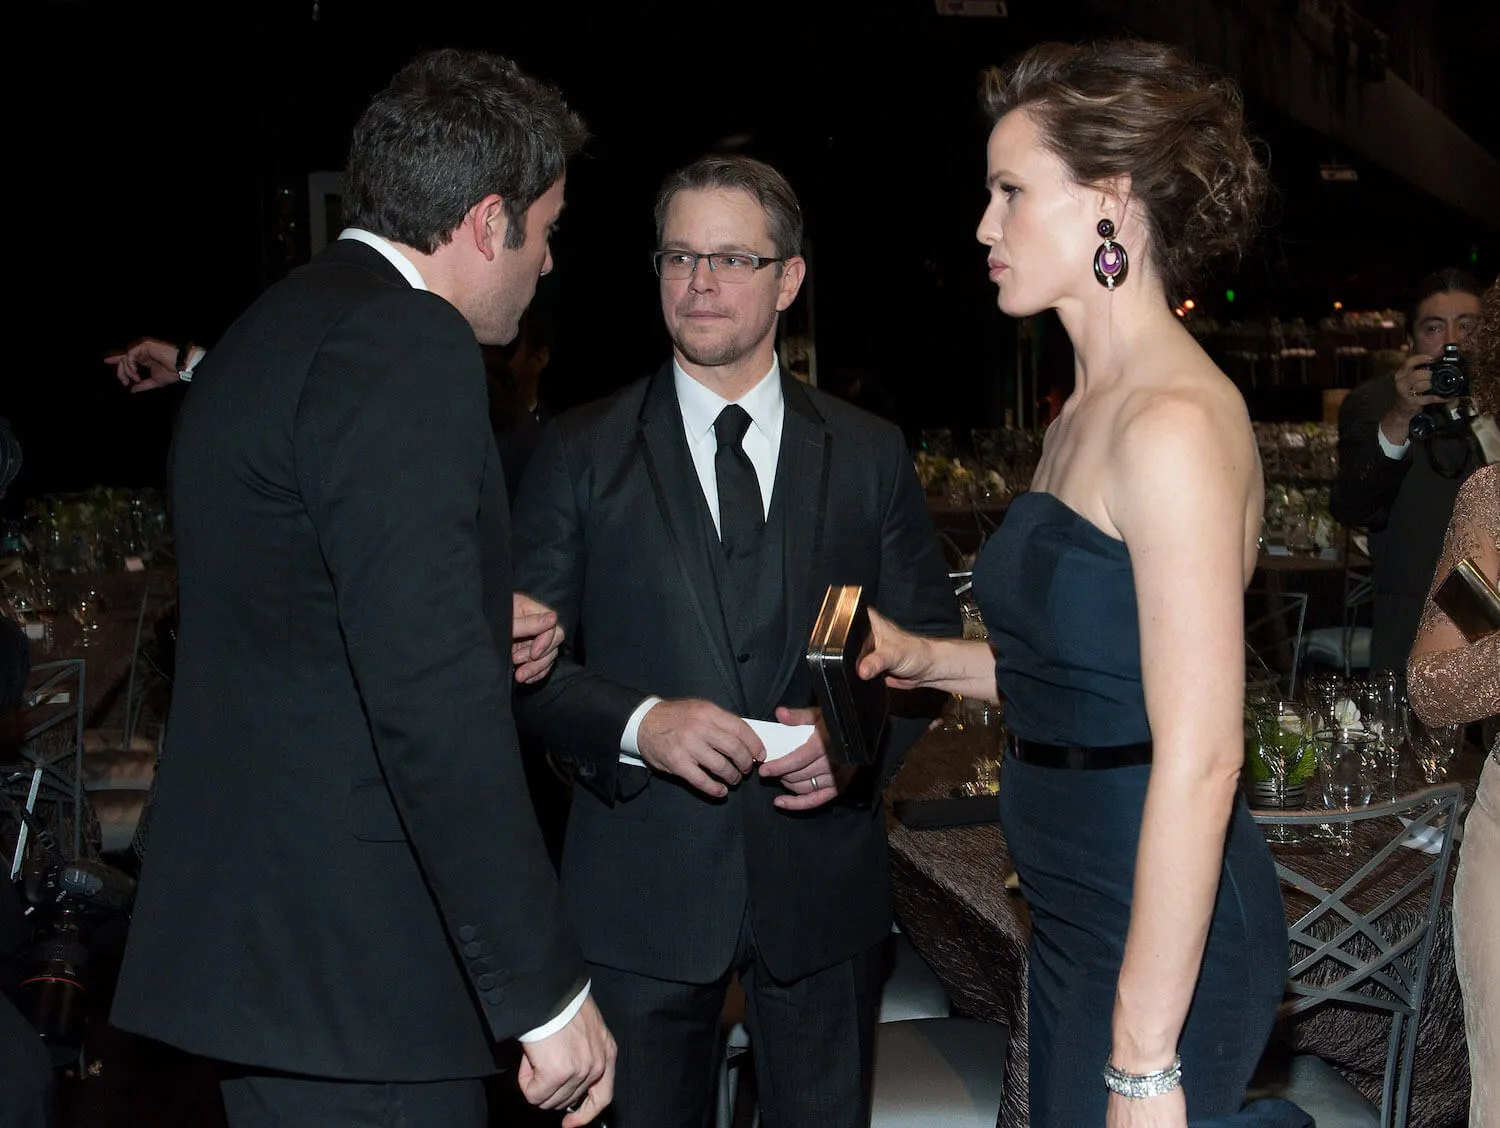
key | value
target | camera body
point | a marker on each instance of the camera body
(66, 898)
(1450, 379)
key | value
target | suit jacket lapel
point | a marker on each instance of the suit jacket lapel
(802, 475)
(674, 482)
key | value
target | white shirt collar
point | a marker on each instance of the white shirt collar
(389, 251)
(701, 405)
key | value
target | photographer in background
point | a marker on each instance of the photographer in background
(26, 1099)
(1403, 487)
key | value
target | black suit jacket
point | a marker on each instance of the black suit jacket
(1406, 504)
(609, 530)
(344, 876)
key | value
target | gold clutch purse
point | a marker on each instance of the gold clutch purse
(854, 711)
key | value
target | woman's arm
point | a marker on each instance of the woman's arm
(909, 661)
(1185, 471)
(1449, 679)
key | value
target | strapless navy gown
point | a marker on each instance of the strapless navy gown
(1059, 601)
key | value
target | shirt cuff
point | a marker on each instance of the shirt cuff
(195, 354)
(630, 747)
(1391, 449)
(567, 1015)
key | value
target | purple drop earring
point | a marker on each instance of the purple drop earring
(1111, 263)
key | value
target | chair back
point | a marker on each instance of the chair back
(1273, 634)
(43, 773)
(1369, 917)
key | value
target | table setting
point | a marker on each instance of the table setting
(1341, 745)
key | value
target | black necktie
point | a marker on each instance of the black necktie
(741, 516)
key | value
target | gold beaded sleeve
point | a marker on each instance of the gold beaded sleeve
(1449, 679)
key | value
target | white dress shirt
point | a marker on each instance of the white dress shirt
(700, 406)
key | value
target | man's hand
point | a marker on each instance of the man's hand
(535, 637)
(806, 772)
(699, 742)
(574, 1068)
(1412, 384)
(147, 364)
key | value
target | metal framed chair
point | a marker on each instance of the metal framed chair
(44, 773)
(1346, 646)
(1274, 635)
(1366, 940)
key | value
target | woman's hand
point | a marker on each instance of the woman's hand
(1166, 1111)
(904, 658)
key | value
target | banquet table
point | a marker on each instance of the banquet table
(953, 904)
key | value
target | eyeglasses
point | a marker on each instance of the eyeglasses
(727, 266)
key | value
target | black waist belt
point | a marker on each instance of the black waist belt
(1078, 758)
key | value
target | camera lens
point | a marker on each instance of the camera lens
(52, 991)
(1448, 376)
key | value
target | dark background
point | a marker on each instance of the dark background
(160, 151)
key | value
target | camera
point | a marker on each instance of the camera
(1449, 380)
(66, 897)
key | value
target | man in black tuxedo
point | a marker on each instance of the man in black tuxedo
(346, 895)
(1404, 488)
(686, 530)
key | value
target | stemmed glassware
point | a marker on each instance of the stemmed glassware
(1346, 762)
(1383, 703)
(1434, 746)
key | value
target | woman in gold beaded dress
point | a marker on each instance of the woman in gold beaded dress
(1454, 681)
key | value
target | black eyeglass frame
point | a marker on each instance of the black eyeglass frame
(757, 262)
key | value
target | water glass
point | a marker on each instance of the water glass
(1323, 692)
(1434, 747)
(1346, 762)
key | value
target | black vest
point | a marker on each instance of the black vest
(752, 597)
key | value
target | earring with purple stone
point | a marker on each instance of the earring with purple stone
(1111, 263)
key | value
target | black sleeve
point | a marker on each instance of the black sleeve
(580, 713)
(391, 446)
(1368, 479)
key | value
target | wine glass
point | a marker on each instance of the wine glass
(85, 612)
(1386, 695)
(1434, 746)
(1345, 766)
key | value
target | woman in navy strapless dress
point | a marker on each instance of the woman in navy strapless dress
(1113, 593)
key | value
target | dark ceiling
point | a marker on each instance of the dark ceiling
(164, 150)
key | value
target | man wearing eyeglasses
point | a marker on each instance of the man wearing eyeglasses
(686, 530)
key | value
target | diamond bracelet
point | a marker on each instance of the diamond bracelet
(1139, 1085)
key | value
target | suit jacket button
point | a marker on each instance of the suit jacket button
(473, 950)
(494, 996)
(486, 981)
(467, 932)
(479, 967)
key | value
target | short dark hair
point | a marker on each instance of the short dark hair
(1449, 280)
(1127, 107)
(452, 128)
(756, 178)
